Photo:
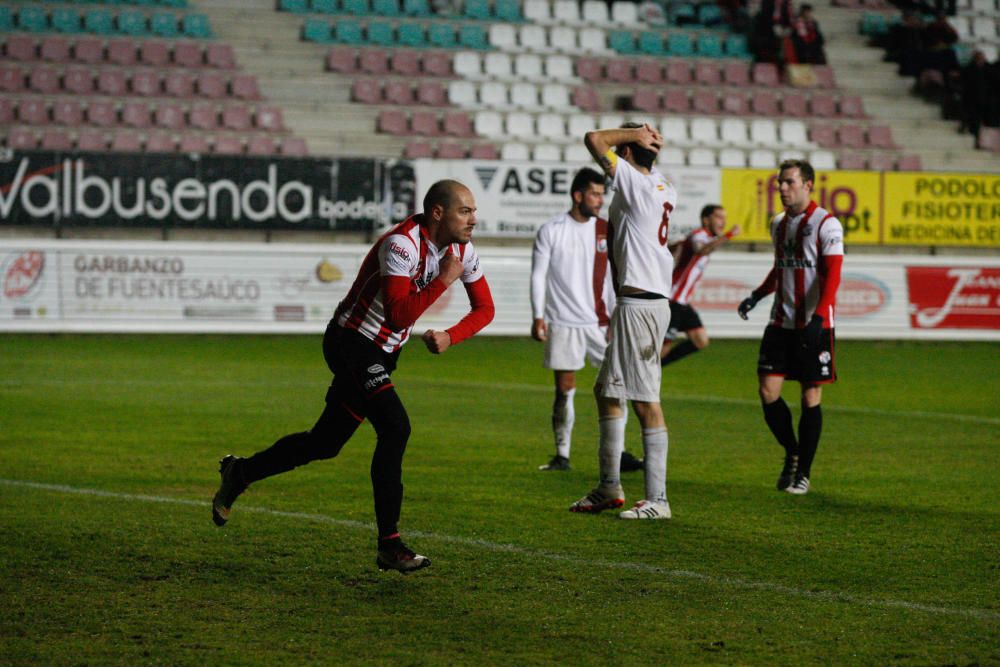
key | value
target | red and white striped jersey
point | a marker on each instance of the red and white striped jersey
(690, 265)
(403, 251)
(800, 243)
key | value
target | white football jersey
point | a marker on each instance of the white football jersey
(570, 281)
(640, 220)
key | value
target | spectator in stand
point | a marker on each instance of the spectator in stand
(905, 38)
(807, 38)
(770, 27)
(980, 91)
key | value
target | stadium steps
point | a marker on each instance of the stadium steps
(888, 98)
(289, 71)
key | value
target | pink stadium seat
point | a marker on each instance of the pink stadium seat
(111, 82)
(146, 83)
(824, 76)
(589, 69)
(56, 140)
(6, 111)
(154, 53)
(101, 113)
(203, 117)
(823, 135)
(679, 72)
(909, 163)
(398, 92)
(227, 144)
(212, 85)
(405, 63)
(44, 80)
(734, 103)
(294, 146)
(851, 136)
(425, 124)
(823, 105)
(342, 59)
(374, 61)
(646, 99)
(392, 121)
(177, 83)
(366, 91)
(989, 139)
(880, 136)
(851, 161)
(432, 93)
(437, 63)
(418, 149)
(126, 142)
(707, 73)
(169, 116)
(794, 105)
(736, 73)
(193, 143)
(766, 74)
(91, 140)
(67, 112)
(55, 49)
(764, 103)
(160, 142)
(705, 101)
(457, 124)
(78, 80)
(88, 50)
(584, 97)
(676, 101)
(11, 79)
(236, 118)
(188, 54)
(268, 118)
(21, 138)
(122, 52)
(484, 152)
(851, 106)
(220, 56)
(881, 162)
(21, 47)
(649, 71)
(619, 70)
(136, 114)
(451, 151)
(32, 111)
(245, 87)
(261, 144)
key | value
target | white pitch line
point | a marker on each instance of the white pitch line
(734, 582)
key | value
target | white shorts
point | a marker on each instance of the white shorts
(568, 348)
(631, 368)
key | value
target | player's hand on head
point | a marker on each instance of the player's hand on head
(451, 268)
(436, 341)
(650, 138)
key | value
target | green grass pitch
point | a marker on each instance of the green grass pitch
(108, 459)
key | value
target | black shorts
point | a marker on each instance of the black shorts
(781, 353)
(682, 318)
(360, 367)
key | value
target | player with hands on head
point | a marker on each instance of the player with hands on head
(798, 343)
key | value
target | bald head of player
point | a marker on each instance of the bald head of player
(449, 213)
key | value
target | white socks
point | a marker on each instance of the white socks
(654, 442)
(610, 450)
(563, 416)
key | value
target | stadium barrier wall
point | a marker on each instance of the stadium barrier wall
(141, 286)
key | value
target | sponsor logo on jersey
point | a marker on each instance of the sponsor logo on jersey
(602, 244)
(794, 263)
(399, 250)
(376, 368)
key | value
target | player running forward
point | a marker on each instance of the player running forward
(642, 265)
(691, 262)
(798, 341)
(406, 271)
(571, 293)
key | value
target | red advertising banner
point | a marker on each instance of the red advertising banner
(943, 297)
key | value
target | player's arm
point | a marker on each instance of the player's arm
(722, 239)
(540, 255)
(481, 312)
(402, 306)
(601, 142)
(769, 285)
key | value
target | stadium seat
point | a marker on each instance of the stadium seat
(31, 18)
(679, 45)
(478, 10)
(442, 35)
(619, 70)
(732, 157)
(671, 156)
(880, 136)
(852, 136)
(764, 103)
(187, 54)
(392, 121)
(546, 153)
(193, 143)
(318, 30)
(131, 23)
(196, 26)
(484, 152)
(623, 42)
(762, 158)
(122, 52)
(824, 76)
(398, 92)
(586, 99)
(710, 14)
(32, 111)
(577, 154)
(56, 140)
(734, 131)
(503, 36)
(851, 106)
(101, 113)
(705, 132)
(823, 105)
(374, 61)
(881, 162)
(566, 11)
(701, 157)
(593, 40)
(551, 127)
(529, 66)
(220, 56)
(578, 124)
(678, 72)
(625, 13)
(683, 13)
(342, 59)
(705, 101)
(236, 117)
(651, 43)
(7, 111)
(589, 69)
(177, 83)
(268, 118)
(736, 73)
(766, 74)
(55, 49)
(794, 105)
(675, 131)
(136, 114)
(676, 100)
(98, 21)
(388, 8)
(416, 150)
(495, 95)
(533, 38)
(411, 34)
(649, 71)
(538, 11)
(296, 6)
(515, 152)
(154, 53)
(646, 99)
(91, 140)
(764, 132)
(707, 73)
(44, 80)
(380, 34)
(595, 12)
(823, 135)
(405, 63)
(508, 10)
(709, 45)
(432, 93)
(488, 124)
(227, 145)
(203, 117)
(257, 145)
(211, 85)
(822, 159)
(169, 117)
(21, 138)
(519, 124)
(65, 20)
(21, 48)
(294, 146)
(366, 91)
(497, 65)
(457, 124)
(419, 8)
(12, 79)
(851, 162)
(563, 38)
(436, 63)
(146, 83)
(462, 93)
(163, 24)
(733, 102)
(425, 124)
(348, 31)
(793, 133)
(450, 150)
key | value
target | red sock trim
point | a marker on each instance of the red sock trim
(394, 536)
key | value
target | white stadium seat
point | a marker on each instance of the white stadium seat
(555, 96)
(566, 11)
(732, 157)
(734, 132)
(593, 40)
(705, 132)
(551, 127)
(520, 124)
(560, 68)
(763, 132)
(462, 93)
(525, 96)
(488, 124)
(515, 152)
(533, 38)
(610, 120)
(675, 131)
(529, 66)
(579, 124)
(822, 160)
(625, 13)
(701, 157)
(547, 153)
(562, 38)
(595, 12)
(503, 36)
(468, 65)
(671, 156)
(498, 65)
(494, 95)
(577, 153)
(761, 158)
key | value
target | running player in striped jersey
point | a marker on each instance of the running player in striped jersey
(798, 343)
(571, 295)
(406, 271)
(691, 260)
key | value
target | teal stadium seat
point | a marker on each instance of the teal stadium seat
(473, 37)
(710, 15)
(416, 8)
(6, 20)
(709, 45)
(98, 21)
(349, 32)
(477, 9)
(132, 23)
(163, 24)
(874, 25)
(736, 46)
(294, 6)
(679, 44)
(316, 30)
(622, 41)
(651, 43)
(196, 26)
(325, 6)
(65, 19)
(32, 19)
(412, 34)
(381, 33)
(386, 7)
(683, 14)
(508, 11)
(178, 4)
(356, 7)
(442, 35)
